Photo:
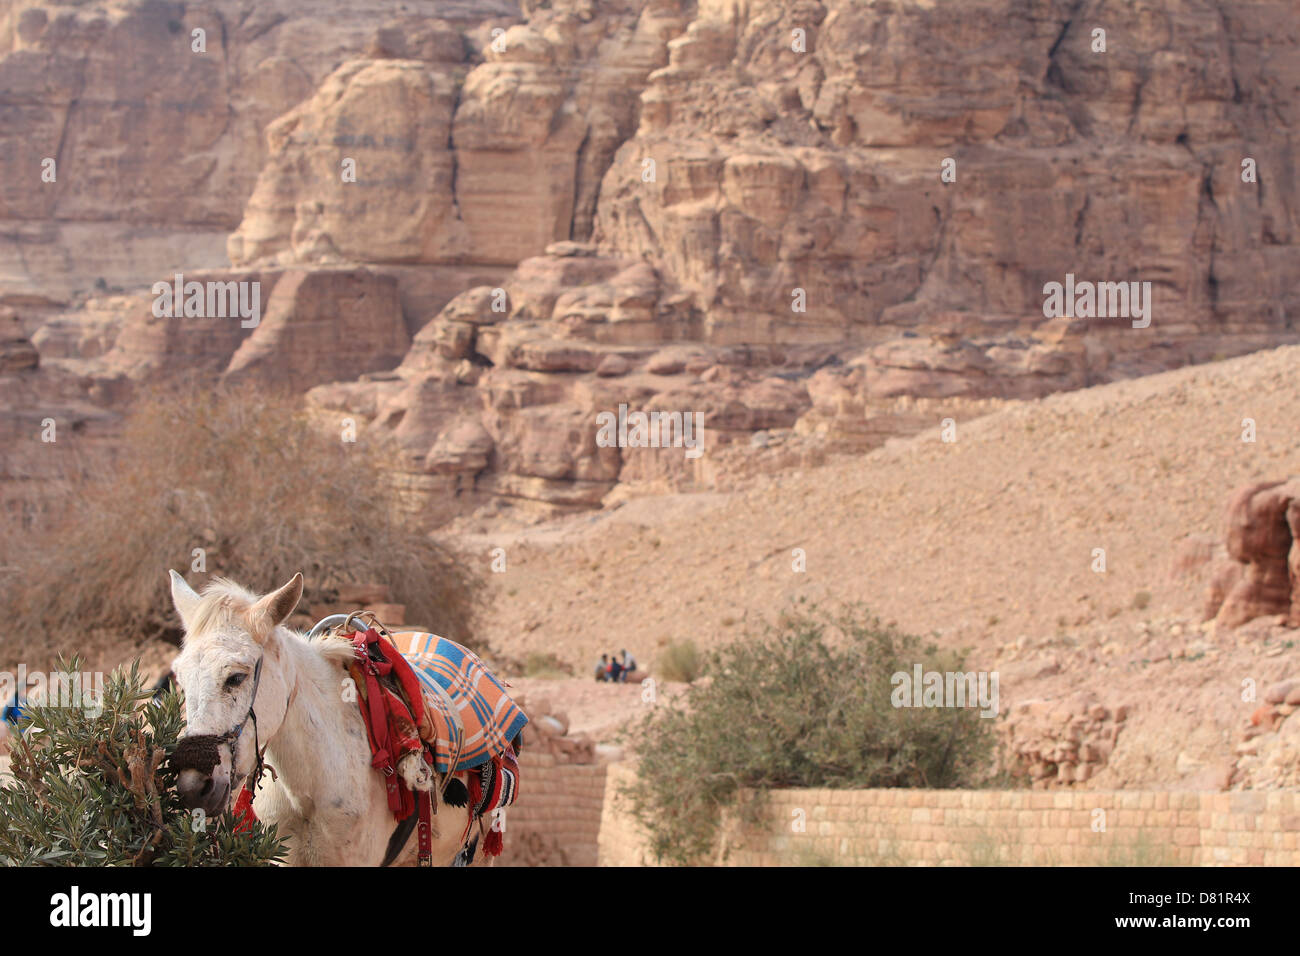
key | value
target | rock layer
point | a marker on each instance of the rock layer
(824, 222)
(156, 134)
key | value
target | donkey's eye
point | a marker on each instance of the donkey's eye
(234, 680)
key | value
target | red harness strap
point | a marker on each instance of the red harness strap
(382, 709)
(376, 721)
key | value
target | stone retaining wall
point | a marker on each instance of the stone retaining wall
(988, 827)
(557, 818)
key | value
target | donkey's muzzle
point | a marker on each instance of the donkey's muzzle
(200, 783)
(198, 792)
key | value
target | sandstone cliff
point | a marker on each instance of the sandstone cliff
(731, 207)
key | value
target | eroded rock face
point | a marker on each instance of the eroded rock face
(480, 226)
(149, 344)
(311, 326)
(374, 137)
(789, 198)
(157, 145)
(463, 153)
(1262, 575)
(777, 170)
(323, 325)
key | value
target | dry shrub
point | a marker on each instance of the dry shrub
(547, 666)
(249, 479)
(680, 661)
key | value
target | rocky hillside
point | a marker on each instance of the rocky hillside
(476, 225)
(1111, 672)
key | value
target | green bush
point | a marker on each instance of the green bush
(804, 704)
(680, 661)
(96, 790)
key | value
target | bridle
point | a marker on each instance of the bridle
(199, 751)
(231, 737)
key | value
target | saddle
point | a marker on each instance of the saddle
(428, 696)
(474, 717)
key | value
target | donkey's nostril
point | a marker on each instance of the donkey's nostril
(194, 787)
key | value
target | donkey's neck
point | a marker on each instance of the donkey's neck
(317, 752)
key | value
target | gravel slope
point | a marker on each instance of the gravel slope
(986, 542)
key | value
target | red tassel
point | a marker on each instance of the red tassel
(493, 844)
(244, 811)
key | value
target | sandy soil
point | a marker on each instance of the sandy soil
(986, 543)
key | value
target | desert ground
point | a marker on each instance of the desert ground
(986, 543)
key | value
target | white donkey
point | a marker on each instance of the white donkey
(248, 678)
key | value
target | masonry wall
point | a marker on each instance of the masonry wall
(621, 842)
(557, 818)
(986, 827)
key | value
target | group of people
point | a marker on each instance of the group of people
(614, 670)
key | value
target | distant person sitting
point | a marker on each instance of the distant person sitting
(629, 664)
(602, 669)
(615, 670)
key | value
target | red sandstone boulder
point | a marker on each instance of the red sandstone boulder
(1262, 524)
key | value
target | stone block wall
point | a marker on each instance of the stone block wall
(987, 827)
(557, 818)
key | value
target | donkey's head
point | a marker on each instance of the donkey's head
(236, 691)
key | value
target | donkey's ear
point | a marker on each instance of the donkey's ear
(184, 597)
(273, 609)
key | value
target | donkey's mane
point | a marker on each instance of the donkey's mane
(337, 650)
(222, 601)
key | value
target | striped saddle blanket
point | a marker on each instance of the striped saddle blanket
(473, 714)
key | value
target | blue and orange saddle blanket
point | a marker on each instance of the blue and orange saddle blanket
(473, 715)
(421, 693)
